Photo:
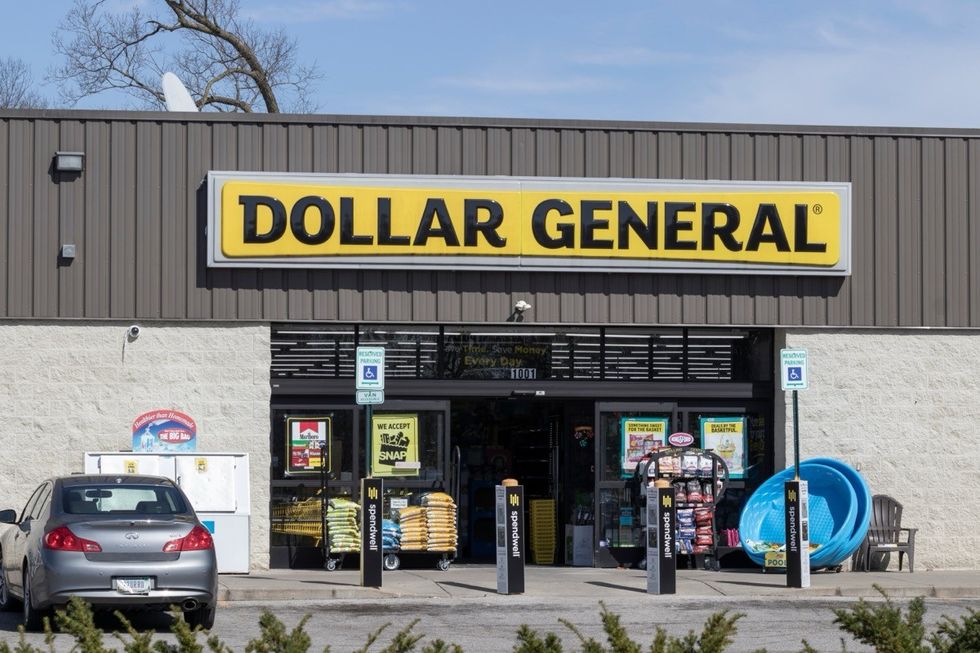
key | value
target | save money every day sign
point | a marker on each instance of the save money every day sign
(395, 445)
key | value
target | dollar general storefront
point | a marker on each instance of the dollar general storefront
(542, 290)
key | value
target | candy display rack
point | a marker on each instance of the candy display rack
(700, 477)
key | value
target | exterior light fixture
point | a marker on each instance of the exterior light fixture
(69, 161)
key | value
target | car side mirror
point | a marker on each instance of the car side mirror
(8, 516)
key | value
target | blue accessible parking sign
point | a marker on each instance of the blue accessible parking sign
(370, 368)
(793, 363)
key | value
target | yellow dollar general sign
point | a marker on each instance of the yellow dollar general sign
(667, 502)
(625, 225)
(515, 500)
(372, 493)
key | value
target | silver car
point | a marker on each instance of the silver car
(118, 542)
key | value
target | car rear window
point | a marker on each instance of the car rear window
(139, 499)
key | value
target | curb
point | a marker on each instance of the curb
(230, 596)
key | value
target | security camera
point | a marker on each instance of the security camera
(521, 306)
(134, 331)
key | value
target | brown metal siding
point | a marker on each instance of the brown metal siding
(135, 215)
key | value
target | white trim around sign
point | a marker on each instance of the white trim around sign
(217, 178)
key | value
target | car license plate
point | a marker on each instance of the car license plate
(140, 585)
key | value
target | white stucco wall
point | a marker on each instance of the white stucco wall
(71, 387)
(903, 407)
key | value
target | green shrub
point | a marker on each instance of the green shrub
(883, 626)
(715, 637)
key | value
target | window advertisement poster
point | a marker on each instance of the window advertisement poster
(640, 435)
(395, 445)
(164, 430)
(726, 437)
(304, 438)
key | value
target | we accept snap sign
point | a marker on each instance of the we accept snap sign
(395, 445)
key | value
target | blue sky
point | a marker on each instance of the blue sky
(895, 63)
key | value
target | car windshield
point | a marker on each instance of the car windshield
(140, 499)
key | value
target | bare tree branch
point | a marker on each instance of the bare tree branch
(17, 86)
(226, 63)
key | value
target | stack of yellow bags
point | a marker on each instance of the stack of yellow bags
(415, 530)
(343, 524)
(440, 513)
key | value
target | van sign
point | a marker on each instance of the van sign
(625, 225)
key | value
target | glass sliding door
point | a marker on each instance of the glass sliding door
(298, 429)
(625, 431)
(409, 451)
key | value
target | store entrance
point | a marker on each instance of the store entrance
(547, 445)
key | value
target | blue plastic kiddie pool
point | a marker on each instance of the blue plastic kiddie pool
(833, 511)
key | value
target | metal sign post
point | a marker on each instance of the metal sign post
(661, 529)
(372, 490)
(510, 539)
(793, 366)
(369, 385)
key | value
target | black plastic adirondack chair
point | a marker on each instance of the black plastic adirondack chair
(886, 536)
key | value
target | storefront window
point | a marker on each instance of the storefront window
(409, 446)
(514, 354)
(620, 517)
(295, 513)
(633, 355)
(646, 426)
(295, 451)
(411, 352)
(309, 351)
(498, 355)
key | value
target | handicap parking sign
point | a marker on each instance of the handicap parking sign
(793, 363)
(370, 368)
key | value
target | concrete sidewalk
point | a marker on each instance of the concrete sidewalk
(463, 581)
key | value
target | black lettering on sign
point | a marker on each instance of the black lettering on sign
(799, 234)
(673, 225)
(630, 221)
(539, 225)
(768, 215)
(347, 235)
(590, 223)
(435, 209)
(472, 224)
(251, 219)
(297, 220)
(384, 225)
(725, 232)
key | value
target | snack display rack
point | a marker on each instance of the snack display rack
(699, 477)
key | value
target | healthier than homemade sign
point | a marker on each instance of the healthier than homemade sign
(284, 220)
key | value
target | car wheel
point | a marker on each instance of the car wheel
(33, 618)
(203, 617)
